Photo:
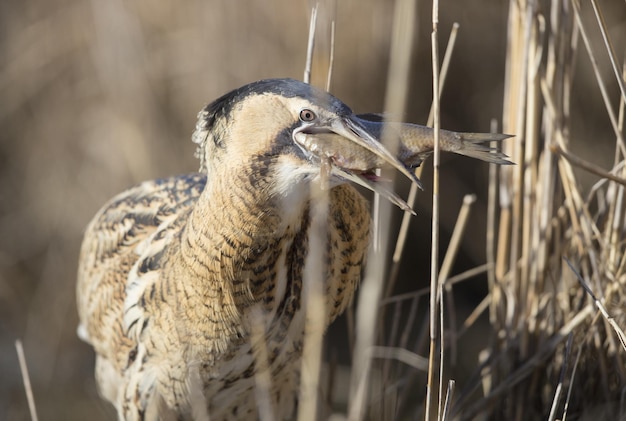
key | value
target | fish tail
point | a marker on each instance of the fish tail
(473, 145)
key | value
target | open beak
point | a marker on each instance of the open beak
(354, 154)
(353, 148)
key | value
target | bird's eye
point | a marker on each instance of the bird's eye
(307, 115)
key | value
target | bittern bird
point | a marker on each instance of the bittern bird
(171, 270)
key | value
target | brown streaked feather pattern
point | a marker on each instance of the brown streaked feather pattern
(164, 298)
(117, 244)
(117, 237)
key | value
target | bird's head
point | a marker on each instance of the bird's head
(281, 132)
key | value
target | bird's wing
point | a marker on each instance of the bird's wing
(126, 235)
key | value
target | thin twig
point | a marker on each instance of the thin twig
(469, 273)
(586, 165)
(331, 61)
(559, 387)
(571, 383)
(449, 395)
(442, 347)
(401, 354)
(617, 206)
(310, 45)
(448, 261)
(490, 240)
(457, 236)
(471, 319)
(26, 378)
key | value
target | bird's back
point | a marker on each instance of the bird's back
(124, 235)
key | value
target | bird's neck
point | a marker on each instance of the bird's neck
(233, 251)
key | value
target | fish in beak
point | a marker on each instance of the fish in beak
(352, 145)
(354, 155)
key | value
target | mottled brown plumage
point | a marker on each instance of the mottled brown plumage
(171, 269)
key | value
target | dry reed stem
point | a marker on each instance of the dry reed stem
(469, 273)
(471, 319)
(30, 397)
(310, 45)
(313, 279)
(455, 239)
(572, 383)
(372, 284)
(617, 206)
(444, 273)
(315, 304)
(559, 387)
(447, 402)
(490, 239)
(528, 174)
(586, 165)
(400, 354)
(442, 348)
(514, 124)
(434, 246)
(331, 58)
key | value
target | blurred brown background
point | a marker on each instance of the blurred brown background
(96, 96)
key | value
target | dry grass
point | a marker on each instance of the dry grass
(541, 311)
(100, 95)
(535, 301)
